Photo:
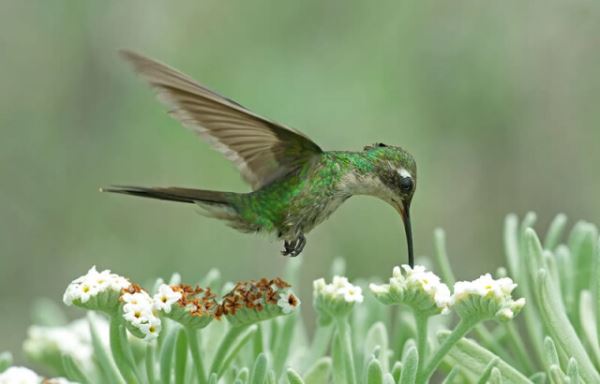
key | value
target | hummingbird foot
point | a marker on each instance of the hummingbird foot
(294, 248)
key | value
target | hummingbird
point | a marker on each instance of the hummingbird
(295, 184)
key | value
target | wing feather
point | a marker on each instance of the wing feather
(261, 149)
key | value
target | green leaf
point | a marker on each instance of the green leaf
(105, 362)
(441, 256)
(320, 372)
(410, 362)
(236, 346)
(573, 371)
(388, 379)
(487, 372)
(560, 328)
(213, 379)
(294, 378)
(452, 375)
(377, 337)
(538, 378)
(397, 371)
(495, 376)
(374, 372)
(74, 373)
(6, 361)
(282, 347)
(551, 356)
(474, 358)
(225, 346)
(557, 376)
(258, 374)
(118, 345)
(243, 375)
(555, 231)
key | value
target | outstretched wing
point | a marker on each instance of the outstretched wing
(262, 150)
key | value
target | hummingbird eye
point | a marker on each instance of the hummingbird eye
(406, 184)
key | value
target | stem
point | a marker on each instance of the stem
(347, 352)
(125, 366)
(422, 322)
(180, 356)
(463, 327)
(196, 359)
(150, 364)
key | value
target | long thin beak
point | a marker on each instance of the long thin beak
(405, 212)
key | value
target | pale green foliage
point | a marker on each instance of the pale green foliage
(556, 339)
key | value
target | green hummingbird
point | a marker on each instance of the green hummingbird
(295, 184)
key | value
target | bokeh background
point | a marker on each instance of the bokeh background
(498, 102)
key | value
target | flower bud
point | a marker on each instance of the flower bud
(336, 299)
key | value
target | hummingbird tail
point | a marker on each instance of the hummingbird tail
(182, 195)
(219, 205)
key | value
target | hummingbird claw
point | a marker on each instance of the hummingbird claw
(294, 248)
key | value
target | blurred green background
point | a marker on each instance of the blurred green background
(498, 102)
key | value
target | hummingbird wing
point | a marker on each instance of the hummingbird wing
(261, 149)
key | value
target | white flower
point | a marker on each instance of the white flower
(287, 302)
(83, 290)
(165, 298)
(138, 312)
(379, 289)
(73, 340)
(416, 287)
(336, 298)
(486, 296)
(19, 375)
(151, 328)
(352, 294)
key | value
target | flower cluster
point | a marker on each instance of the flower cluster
(96, 290)
(335, 299)
(256, 300)
(22, 375)
(47, 344)
(488, 297)
(418, 288)
(139, 313)
(194, 307)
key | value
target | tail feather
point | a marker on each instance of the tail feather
(219, 205)
(183, 195)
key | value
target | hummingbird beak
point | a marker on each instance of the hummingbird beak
(404, 209)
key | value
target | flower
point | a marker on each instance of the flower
(257, 300)
(416, 287)
(138, 311)
(287, 302)
(96, 290)
(165, 298)
(19, 375)
(191, 307)
(335, 299)
(487, 297)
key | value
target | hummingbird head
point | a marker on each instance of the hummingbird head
(397, 173)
